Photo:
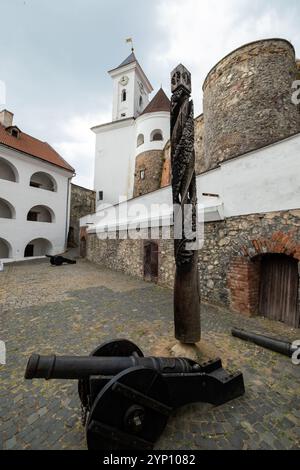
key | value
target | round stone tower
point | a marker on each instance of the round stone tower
(247, 100)
(152, 134)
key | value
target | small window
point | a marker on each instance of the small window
(100, 196)
(156, 136)
(124, 95)
(140, 140)
(123, 115)
(15, 133)
(142, 174)
(141, 101)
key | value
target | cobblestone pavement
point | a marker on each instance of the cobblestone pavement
(72, 309)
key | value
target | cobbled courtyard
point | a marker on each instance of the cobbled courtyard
(73, 309)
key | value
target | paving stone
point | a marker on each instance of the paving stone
(72, 311)
(10, 443)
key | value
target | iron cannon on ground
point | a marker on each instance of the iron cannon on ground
(277, 345)
(127, 398)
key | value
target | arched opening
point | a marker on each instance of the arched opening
(140, 140)
(5, 249)
(156, 135)
(43, 181)
(7, 171)
(279, 289)
(124, 95)
(38, 247)
(7, 211)
(83, 247)
(41, 214)
(151, 261)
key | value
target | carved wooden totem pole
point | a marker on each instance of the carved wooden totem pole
(186, 288)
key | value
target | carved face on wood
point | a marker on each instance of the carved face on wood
(181, 77)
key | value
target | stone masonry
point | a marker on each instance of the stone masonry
(83, 202)
(227, 261)
(247, 100)
(151, 164)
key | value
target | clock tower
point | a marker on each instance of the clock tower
(131, 89)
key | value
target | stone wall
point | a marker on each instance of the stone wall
(227, 262)
(166, 171)
(151, 163)
(247, 100)
(200, 164)
(83, 202)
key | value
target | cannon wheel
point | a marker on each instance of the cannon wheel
(115, 348)
(130, 412)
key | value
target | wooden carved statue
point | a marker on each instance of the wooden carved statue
(186, 288)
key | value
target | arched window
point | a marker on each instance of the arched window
(7, 211)
(43, 181)
(7, 171)
(124, 95)
(41, 214)
(38, 247)
(156, 135)
(5, 249)
(140, 140)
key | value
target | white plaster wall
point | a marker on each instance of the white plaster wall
(19, 232)
(147, 123)
(127, 106)
(266, 180)
(131, 106)
(114, 149)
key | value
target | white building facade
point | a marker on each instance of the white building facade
(34, 195)
(134, 129)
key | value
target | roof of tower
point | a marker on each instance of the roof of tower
(130, 59)
(160, 102)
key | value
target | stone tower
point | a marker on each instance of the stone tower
(247, 100)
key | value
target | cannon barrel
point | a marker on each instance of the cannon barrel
(75, 368)
(276, 345)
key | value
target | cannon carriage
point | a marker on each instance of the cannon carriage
(127, 398)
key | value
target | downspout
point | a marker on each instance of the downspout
(68, 211)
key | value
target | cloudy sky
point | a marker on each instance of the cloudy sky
(54, 56)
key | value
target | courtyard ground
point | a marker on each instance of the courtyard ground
(73, 309)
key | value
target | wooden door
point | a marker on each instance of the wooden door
(151, 261)
(83, 248)
(279, 289)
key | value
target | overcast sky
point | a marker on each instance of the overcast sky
(54, 56)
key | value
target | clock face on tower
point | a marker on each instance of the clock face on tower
(124, 80)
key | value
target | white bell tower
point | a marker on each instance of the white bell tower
(131, 89)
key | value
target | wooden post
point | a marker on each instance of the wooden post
(186, 288)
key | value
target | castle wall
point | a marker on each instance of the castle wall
(229, 272)
(83, 202)
(247, 100)
(151, 163)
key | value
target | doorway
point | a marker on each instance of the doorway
(151, 261)
(279, 289)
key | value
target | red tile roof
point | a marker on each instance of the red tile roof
(36, 148)
(160, 102)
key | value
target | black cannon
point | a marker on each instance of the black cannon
(59, 260)
(127, 398)
(276, 345)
